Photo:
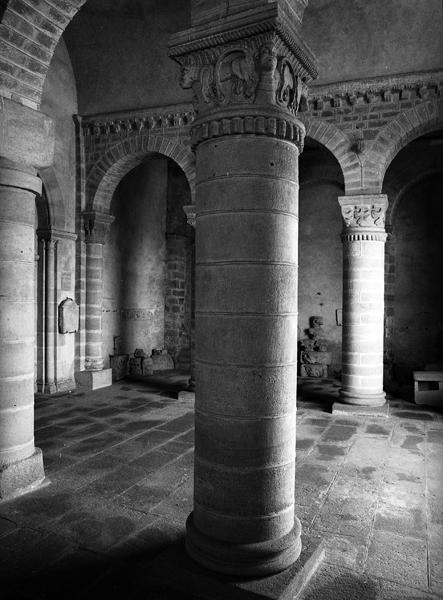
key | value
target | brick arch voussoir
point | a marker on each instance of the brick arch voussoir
(337, 142)
(29, 33)
(405, 127)
(105, 175)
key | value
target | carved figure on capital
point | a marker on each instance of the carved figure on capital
(236, 77)
(199, 78)
(367, 215)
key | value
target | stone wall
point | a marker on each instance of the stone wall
(134, 276)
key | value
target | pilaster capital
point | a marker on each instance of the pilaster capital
(364, 217)
(53, 234)
(27, 136)
(251, 65)
(96, 226)
(190, 214)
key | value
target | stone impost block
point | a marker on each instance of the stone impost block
(27, 135)
(93, 380)
(20, 477)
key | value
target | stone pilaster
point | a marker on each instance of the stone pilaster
(248, 73)
(190, 214)
(96, 226)
(50, 314)
(364, 240)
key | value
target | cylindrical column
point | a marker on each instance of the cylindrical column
(20, 462)
(247, 88)
(246, 355)
(363, 299)
(50, 317)
(96, 228)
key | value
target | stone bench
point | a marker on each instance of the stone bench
(428, 387)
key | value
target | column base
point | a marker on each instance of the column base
(50, 388)
(66, 385)
(354, 410)
(22, 476)
(358, 399)
(248, 560)
(94, 380)
(201, 583)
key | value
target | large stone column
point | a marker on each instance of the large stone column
(21, 463)
(96, 226)
(26, 143)
(247, 77)
(363, 298)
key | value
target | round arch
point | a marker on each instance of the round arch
(121, 158)
(44, 27)
(405, 127)
(338, 143)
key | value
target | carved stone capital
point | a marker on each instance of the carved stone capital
(254, 58)
(364, 216)
(96, 226)
(190, 214)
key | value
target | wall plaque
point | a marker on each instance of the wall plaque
(68, 316)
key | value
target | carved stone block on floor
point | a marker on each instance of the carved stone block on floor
(94, 380)
(340, 408)
(208, 585)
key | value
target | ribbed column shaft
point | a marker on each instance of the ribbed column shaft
(17, 299)
(246, 351)
(94, 303)
(363, 303)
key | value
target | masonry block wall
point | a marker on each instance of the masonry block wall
(177, 314)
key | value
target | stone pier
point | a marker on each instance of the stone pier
(364, 240)
(96, 227)
(248, 77)
(27, 144)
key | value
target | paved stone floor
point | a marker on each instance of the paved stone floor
(119, 488)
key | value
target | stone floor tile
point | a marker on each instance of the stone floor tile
(339, 434)
(6, 526)
(329, 453)
(372, 453)
(399, 559)
(84, 471)
(27, 554)
(333, 583)
(40, 506)
(406, 520)
(153, 460)
(312, 483)
(350, 552)
(435, 547)
(101, 525)
(69, 577)
(115, 482)
(346, 516)
(307, 514)
(150, 541)
(140, 444)
(94, 444)
(181, 424)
